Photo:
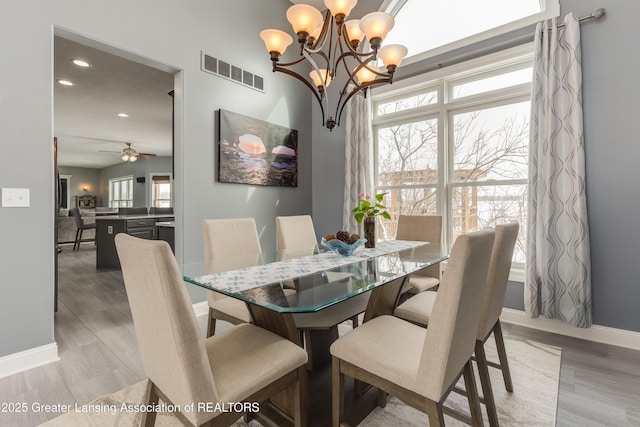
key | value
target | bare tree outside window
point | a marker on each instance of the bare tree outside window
(484, 165)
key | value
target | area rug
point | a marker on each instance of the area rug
(535, 370)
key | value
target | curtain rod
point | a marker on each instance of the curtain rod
(597, 15)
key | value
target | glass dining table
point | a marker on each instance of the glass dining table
(303, 294)
(309, 280)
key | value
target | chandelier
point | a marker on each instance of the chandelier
(328, 43)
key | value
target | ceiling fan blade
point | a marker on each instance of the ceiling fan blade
(147, 155)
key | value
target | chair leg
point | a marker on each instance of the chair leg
(502, 356)
(472, 395)
(337, 393)
(485, 382)
(436, 415)
(300, 404)
(382, 398)
(151, 398)
(211, 324)
(76, 242)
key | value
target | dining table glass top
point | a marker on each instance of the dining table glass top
(310, 279)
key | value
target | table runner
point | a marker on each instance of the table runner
(260, 275)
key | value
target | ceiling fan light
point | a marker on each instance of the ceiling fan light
(133, 158)
(125, 157)
(304, 18)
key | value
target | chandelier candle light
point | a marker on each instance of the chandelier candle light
(334, 42)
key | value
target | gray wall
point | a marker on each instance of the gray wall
(81, 177)
(328, 152)
(175, 35)
(139, 168)
(610, 92)
(168, 33)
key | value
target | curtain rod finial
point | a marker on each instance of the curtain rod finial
(599, 13)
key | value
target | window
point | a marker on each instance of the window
(448, 25)
(161, 190)
(457, 145)
(121, 192)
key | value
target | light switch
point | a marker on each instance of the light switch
(15, 197)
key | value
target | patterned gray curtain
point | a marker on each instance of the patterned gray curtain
(357, 161)
(558, 276)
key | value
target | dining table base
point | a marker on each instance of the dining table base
(317, 387)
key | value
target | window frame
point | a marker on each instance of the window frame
(152, 198)
(112, 182)
(550, 9)
(445, 111)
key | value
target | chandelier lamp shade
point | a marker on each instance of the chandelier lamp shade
(331, 45)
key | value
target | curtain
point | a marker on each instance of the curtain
(558, 267)
(357, 161)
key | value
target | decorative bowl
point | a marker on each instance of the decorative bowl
(340, 247)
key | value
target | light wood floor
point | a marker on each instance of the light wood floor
(599, 384)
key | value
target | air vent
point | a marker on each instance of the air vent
(231, 72)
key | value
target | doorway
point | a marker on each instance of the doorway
(111, 100)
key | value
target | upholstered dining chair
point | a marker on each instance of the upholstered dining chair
(294, 234)
(420, 366)
(419, 310)
(80, 227)
(243, 364)
(422, 228)
(228, 238)
(295, 237)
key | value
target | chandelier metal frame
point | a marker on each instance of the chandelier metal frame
(333, 48)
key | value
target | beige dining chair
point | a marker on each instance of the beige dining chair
(422, 228)
(295, 234)
(419, 311)
(228, 238)
(420, 366)
(242, 364)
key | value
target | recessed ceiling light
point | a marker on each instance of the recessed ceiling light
(65, 82)
(123, 115)
(81, 63)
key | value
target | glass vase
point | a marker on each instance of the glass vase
(369, 226)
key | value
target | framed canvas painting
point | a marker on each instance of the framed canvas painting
(252, 151)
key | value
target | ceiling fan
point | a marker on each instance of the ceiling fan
(129, 154)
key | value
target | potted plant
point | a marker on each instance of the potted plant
(366, 212)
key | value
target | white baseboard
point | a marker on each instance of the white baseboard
(28, 359)
(43, 355)
(596, 333)
(201, 308)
